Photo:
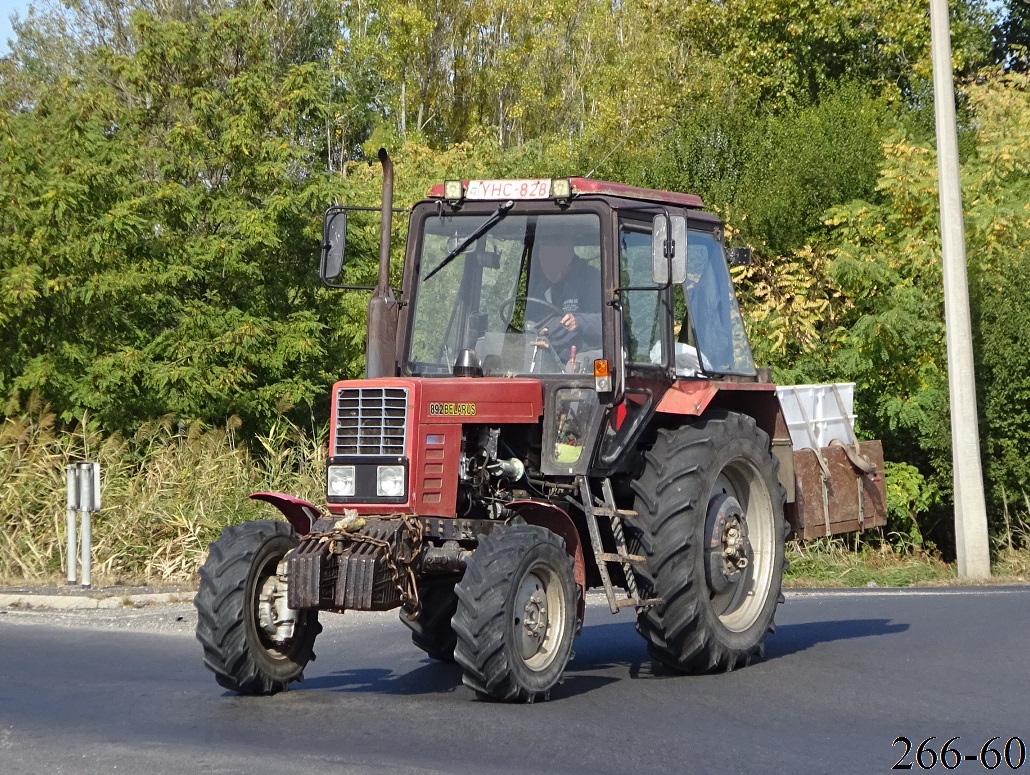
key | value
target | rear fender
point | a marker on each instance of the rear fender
(695, 396)
(559, 523)
(757, 399)
(298, 512)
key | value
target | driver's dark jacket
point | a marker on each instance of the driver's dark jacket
(579, 293)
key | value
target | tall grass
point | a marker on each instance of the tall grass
(167, 492)
(835, 562)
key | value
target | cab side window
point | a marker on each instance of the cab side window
(713, 323)
(642, 323)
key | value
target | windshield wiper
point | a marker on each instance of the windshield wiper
(502, 210)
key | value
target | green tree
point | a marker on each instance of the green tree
(1012, 36)
(887, 333)
(157, 224)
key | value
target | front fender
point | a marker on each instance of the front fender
(298, 512)
(557, 521)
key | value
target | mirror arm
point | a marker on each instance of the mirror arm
(336, 287)
(624, 288)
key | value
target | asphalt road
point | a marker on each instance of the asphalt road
(844, 675)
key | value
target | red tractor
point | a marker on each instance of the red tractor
(561, 397)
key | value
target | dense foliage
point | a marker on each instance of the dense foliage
(163, 167)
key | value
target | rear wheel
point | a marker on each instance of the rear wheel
(432, 631)
(253, 643)
(516, 612)
(711, 524)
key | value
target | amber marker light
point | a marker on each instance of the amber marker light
(602, 376)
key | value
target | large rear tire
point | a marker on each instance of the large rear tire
(711, 524)
(432, 631)
(516, 614)
(242, 618)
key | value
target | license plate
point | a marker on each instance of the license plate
(538, 188)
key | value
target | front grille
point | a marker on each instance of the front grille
(371, 421)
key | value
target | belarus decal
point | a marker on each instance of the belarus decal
(452, 410)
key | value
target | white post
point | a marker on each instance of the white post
(970, 509)
(72, 479)
(89, 501)
(87, 549)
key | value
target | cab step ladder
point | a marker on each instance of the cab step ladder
(597, 508)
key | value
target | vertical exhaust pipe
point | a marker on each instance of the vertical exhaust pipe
(383, 310)
(386, 223)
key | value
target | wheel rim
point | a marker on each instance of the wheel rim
(741, 519)
(539, 617)
(275, 630)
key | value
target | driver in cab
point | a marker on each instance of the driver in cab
(572, 290)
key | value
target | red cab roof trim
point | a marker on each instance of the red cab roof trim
(604, 187)
(591, 186)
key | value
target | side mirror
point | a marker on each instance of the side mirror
(334, 241)
(740, 256)
(669, 249)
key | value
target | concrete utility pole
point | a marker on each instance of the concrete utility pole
(970, 509)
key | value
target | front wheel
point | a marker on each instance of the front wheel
(711, 524)
(253, 643)
(516, 614)
(432, 631)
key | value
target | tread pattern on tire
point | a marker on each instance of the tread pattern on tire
(221, 617)
(671, 510)
(481, 620)
(432, 631)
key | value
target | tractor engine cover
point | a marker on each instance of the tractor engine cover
(355, 570)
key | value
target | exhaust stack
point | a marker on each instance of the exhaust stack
(383, 310)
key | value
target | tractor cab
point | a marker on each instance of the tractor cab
(606, 293)
(495, 269)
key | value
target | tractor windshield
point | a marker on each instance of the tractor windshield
(525, 296)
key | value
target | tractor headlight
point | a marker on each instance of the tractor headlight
(390, 481)
(341, 481)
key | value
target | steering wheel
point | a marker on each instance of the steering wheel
(557, 335)
(507, 309)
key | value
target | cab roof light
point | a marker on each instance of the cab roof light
(561, 188)
(453, 190)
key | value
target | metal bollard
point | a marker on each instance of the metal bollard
(72, 477)
(87, 549)
(83, 481)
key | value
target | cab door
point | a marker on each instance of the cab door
(646, 336)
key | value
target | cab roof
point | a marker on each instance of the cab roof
(580, 186)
